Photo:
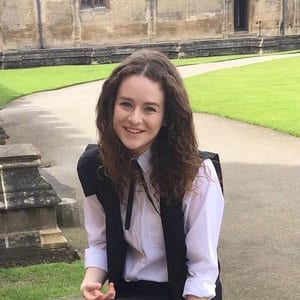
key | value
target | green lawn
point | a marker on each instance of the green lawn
(41, 281)
(208, 59)
(265, 94)
(19, 82)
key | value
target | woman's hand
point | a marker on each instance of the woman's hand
(91, 291)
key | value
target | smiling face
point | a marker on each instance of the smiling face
(138, 112)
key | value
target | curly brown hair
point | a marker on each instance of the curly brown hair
(175, 160)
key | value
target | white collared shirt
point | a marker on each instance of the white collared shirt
(146, 259)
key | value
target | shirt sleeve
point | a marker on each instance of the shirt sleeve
(94, 221)
(203, 212)
(94, 215)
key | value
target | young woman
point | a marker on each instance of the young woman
(153, 207)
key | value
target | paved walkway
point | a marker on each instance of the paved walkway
(259, 242)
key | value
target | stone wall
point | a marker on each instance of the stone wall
(64, 23)
(124, 22)
(116, 53)
(18, 23)
(188, 20)
(267, 18)
(57, 19)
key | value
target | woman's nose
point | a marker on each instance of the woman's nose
(136, 116)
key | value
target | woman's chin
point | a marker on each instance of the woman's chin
(136, 150)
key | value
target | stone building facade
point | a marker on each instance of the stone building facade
(35, 24)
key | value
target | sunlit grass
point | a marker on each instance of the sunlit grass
(40, 282)
(19, 82)
(265, 94)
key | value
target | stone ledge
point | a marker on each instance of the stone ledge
(28, 227)
(22, 186)
(19, 152)
(116, 53)
(52, 238)
(67, 212)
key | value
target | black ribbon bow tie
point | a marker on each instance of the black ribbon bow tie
(137, 177)
(130, 201)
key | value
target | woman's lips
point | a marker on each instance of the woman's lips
(133, 130)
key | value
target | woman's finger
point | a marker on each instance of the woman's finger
(111, 292)
(91, 291)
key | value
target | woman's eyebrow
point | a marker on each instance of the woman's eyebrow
(152, 103)
(125, 98)
(145, 103)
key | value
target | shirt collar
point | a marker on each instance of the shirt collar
(144, 161)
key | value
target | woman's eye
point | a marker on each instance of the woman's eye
(150, 109)
(125, 104)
